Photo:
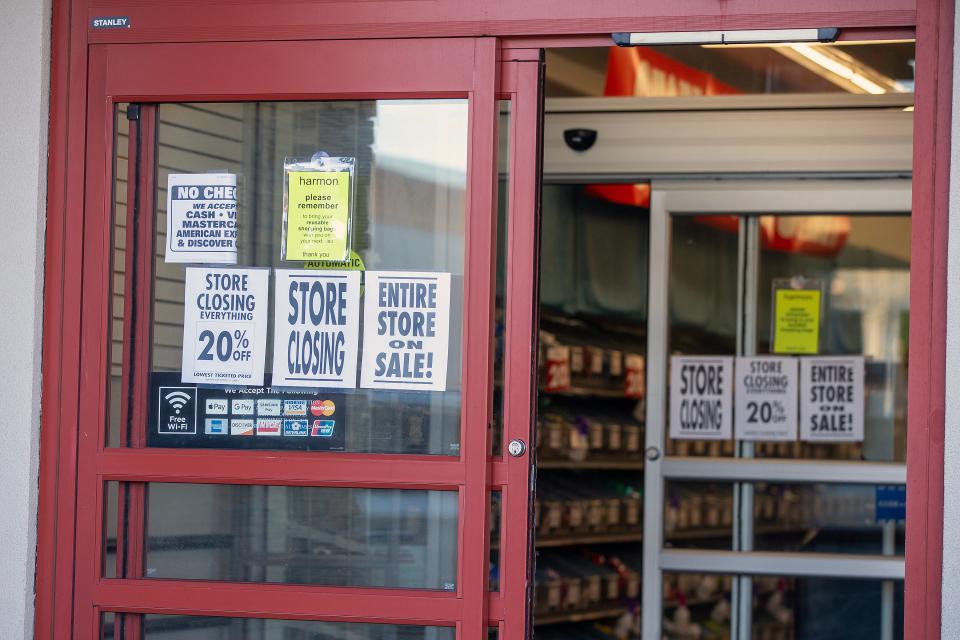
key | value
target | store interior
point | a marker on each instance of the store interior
(595, 267)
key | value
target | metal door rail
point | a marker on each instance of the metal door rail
(780, 470)
(820, 565)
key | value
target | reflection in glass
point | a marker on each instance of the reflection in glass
(303, 535)
(809, 518)
(409, 215)
(163, 627)
(863, 264)
(698, 71)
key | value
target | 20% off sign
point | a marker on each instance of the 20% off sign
(224, 325)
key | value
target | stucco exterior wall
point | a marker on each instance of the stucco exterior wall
(24, 100)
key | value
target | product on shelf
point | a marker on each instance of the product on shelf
(571, 504)
(564, 433)
(592, 360)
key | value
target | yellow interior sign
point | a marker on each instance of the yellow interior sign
(796, 321)
(318, 214)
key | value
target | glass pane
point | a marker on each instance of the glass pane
(814, 518)
(786, 608)
(110, 529)
(862, 266)
(698, 515)
(590, 433)
(500, 313)
(830, 518)
(695, 599)
(703, 303)
(163, 627)
(496, 515)
(409, 216)
(303, 535)
(711, 70)
(703, 285)
(121, 150)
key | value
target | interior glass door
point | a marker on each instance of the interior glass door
(784, 519)
(289, 309)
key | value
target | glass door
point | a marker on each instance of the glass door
(779, 515)
(289, 341)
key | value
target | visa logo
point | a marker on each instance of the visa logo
(215, 427)
(323, 428)
(294, 407)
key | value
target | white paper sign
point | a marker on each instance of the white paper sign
(831, 399)
(224, 325)
(202, 218)
(766, 399)
(701, 397)
(315, 328)
(406, 322)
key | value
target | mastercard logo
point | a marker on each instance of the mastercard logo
(322, 407)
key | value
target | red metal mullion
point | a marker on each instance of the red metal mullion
(520, 350)
(283, 601)
(141, 336)
(94, 340)
(191, 71)
(281, 468)
(479, 284)
(129, 344)
(928, 319)
(63, 258)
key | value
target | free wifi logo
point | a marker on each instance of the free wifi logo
(178, 400)
(177, 410)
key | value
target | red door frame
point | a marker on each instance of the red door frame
(275, 70)
(531, 24)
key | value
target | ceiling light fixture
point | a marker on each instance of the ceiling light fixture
(840, 68)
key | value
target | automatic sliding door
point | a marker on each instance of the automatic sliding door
(759, 535)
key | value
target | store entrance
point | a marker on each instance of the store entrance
(723, 345)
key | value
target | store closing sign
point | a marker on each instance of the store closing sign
(406, 320)
(315, 332)
(202, 218)
(831, 399)
(701, 397)
(224, 325)
(766, 399)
